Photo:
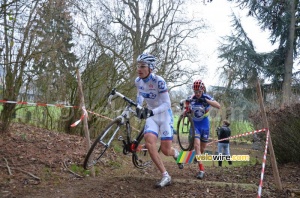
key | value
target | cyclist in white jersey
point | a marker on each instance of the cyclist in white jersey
(159, 119)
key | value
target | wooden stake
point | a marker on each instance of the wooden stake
(85, 123)
(213, 128)
(266, 125)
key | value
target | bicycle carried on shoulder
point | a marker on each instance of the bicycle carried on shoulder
(140, 155)
(185, 126)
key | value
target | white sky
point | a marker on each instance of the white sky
(217, 14)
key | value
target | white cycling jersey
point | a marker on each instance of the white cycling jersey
(154, 91)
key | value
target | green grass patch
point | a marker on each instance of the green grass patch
(114, 164)
(79, 170)
(48, 175)
(117, 146)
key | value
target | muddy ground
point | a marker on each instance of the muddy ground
(35, 162)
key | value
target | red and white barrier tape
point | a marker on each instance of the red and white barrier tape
(99, 115)
(86, 114)
(49, 105)
(240, 135)
(263, 166)
(264, 157)
(37, 104)
(81, 118)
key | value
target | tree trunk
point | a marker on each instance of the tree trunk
(6, 116)
(226, 102)
(16, 57)
(288, 63)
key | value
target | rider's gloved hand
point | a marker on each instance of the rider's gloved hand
(181, 105)
(202, 100)
(144, 113)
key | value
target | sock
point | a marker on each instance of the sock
(201, 167)
(165, 174)
(176, 153)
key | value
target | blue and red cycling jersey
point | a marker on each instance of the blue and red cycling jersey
(200, 112)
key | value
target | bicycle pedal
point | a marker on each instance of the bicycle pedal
(120, 138)
(141, 148)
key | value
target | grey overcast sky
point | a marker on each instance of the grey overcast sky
(218, 17)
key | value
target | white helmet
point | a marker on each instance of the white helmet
(149, 59)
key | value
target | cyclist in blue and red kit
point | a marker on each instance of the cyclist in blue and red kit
(153, 90)
(200, 107)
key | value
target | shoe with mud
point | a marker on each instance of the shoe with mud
(180, 165)
(165, 181)
(200, 175)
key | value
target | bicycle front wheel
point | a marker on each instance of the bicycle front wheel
(186, 132)
(101, 144)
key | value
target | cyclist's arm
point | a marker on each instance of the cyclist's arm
(213, 103)
(165, 103)
(139, 98)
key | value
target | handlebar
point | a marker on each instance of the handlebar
(188, 100)
(181, 103)
(128, 100)
(184, 104)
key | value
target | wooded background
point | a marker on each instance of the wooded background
(43, 42)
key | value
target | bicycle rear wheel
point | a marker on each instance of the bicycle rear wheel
(186, 132)
(101, 144)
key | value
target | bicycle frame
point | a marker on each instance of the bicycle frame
(124, 117)
(111, 139)
(140, 155)
(186, 106)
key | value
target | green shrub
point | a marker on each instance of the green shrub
(284, 126)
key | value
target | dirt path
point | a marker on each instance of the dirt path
(32, 152)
